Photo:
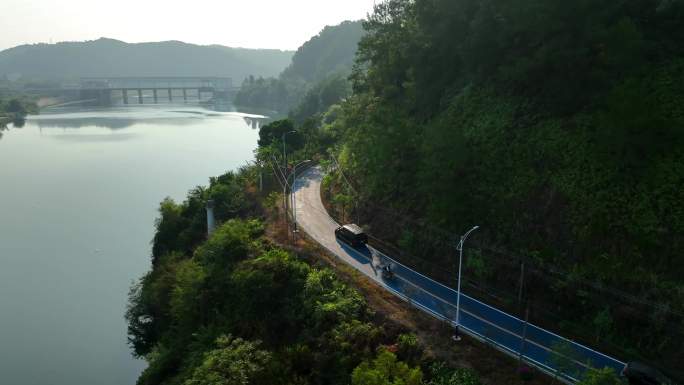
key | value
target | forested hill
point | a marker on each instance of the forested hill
(556, 126)
(108, 57)
(332, 50)
(316, 77)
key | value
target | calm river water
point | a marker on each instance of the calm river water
(79, 190)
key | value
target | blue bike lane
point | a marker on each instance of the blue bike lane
(505, 331)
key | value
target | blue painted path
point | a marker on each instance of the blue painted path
(490, 324)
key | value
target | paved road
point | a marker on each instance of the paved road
(482, 321)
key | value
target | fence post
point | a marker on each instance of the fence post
(524, 334)
(522, 278)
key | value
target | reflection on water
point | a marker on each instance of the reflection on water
(111, 123)
(80, 189)
(96, 137)
(16, 123)
(255, 123)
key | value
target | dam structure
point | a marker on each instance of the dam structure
(153, 90)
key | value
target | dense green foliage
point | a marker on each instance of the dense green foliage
(109, 57)
(235, 309)
(557, 127)
(181, 227)
(385, 369)
(234, 362)
(314, 80)
(314, 329)
(605, 376)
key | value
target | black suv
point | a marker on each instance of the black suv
(642, 374)
(351, 234)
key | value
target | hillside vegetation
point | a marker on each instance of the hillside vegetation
(315, 79)
(235, 309)
(109, 57)
(558, 127)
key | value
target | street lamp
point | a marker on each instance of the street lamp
(459, 247)
(285, 172)
(294, 192)
(284, 153)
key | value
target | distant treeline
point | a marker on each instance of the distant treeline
(48, 65)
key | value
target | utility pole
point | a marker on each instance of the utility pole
(457, 336)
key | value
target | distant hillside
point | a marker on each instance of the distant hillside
(108, 57)
(315, 78)
(331, 51)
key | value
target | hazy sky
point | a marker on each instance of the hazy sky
(283, 24)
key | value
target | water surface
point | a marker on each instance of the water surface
(79, 191)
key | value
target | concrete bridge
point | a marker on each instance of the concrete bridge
(142, 90)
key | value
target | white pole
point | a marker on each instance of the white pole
(458, 290)
(285, 181)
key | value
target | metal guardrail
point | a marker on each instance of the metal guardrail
(510, 334)
(507, 333)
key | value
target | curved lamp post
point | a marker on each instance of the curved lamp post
(459, 247)
(285, 153)
(285, 173)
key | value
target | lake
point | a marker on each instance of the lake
(79, 191)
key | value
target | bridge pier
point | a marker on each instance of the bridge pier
(125, 95)
(105, 97)
(185, 95)
(140, 99)
(154, 92)
(170, 95)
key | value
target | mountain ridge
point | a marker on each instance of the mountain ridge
(112, 57)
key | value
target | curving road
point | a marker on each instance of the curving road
(538, 346)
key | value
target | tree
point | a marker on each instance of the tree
(233, 362)
(343, 201)
(16, 107)
(408, 347)
(272, 134)
(605, 376)
(563, 360)
(603, 324)
(385, 369)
